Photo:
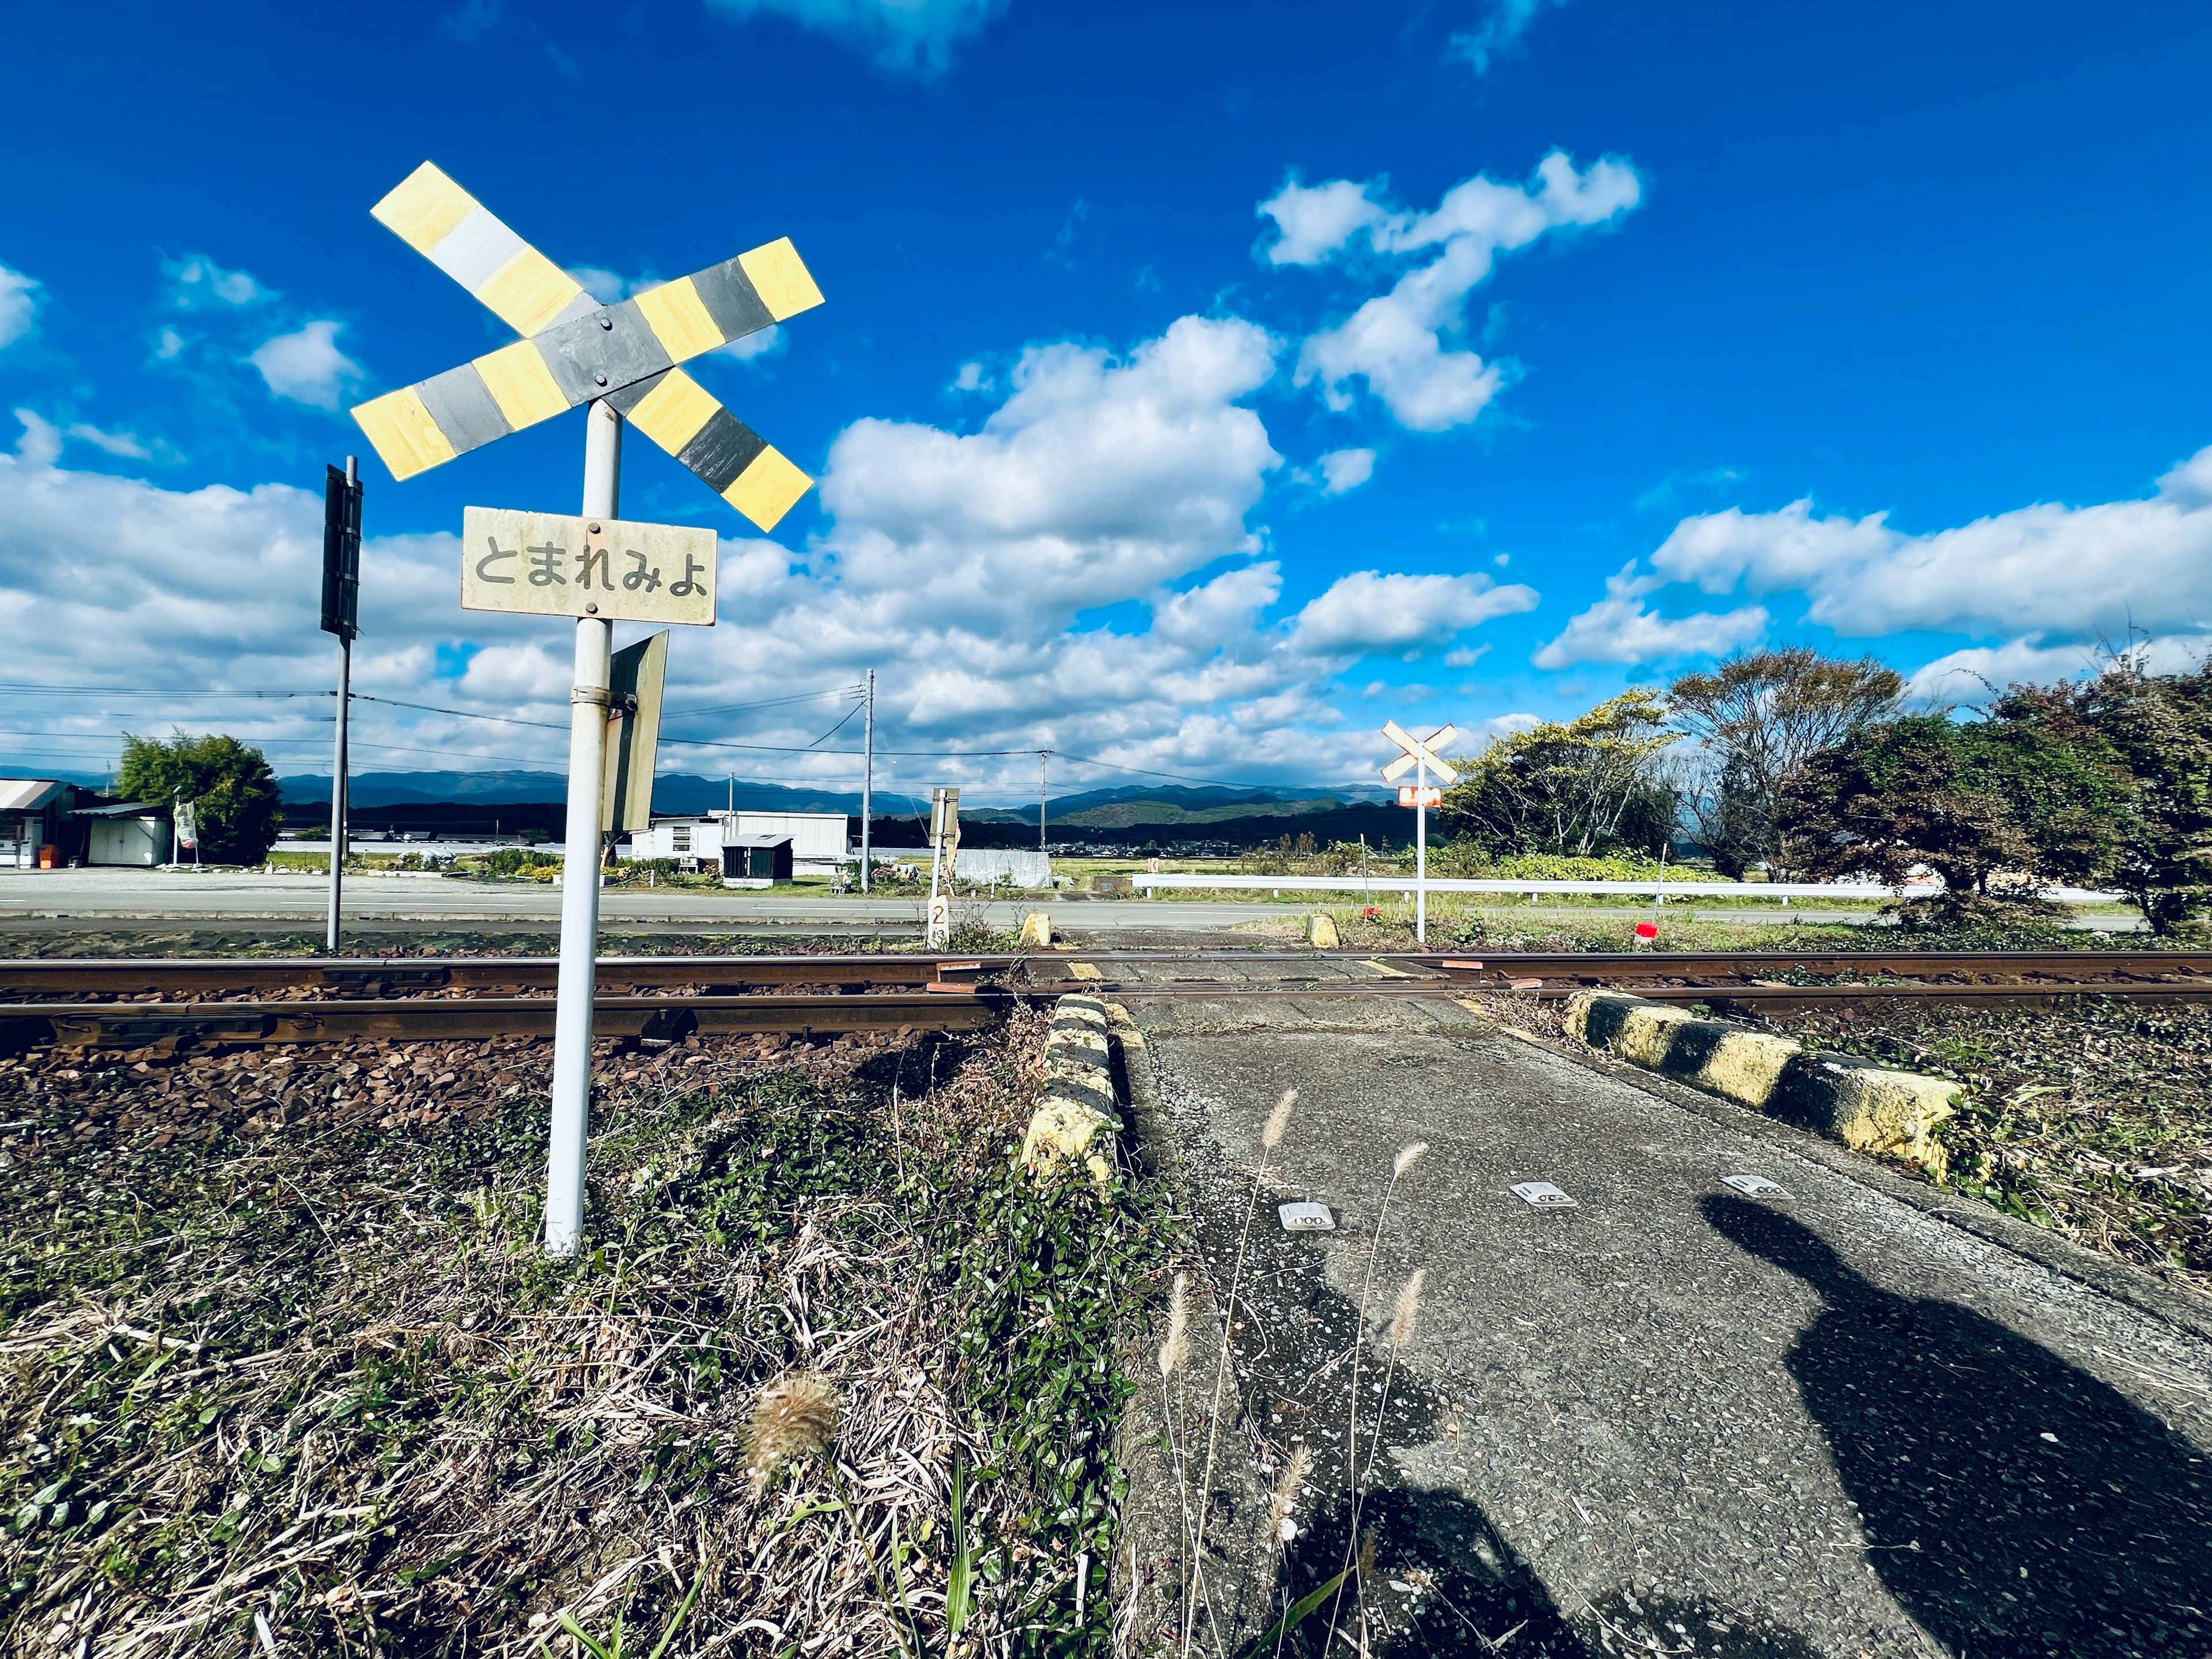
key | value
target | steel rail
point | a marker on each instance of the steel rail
(387, 977)
(1993, 994)
(417, 1019)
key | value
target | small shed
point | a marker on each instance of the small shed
(755, 861)
(132, 832)
(32, 832)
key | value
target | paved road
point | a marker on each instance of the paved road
(1819, 1422)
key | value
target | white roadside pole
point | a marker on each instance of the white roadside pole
(1420, 757)
(579, 868)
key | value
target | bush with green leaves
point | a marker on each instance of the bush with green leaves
(228, 782)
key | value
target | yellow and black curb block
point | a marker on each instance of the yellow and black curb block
(1866, 1107)
(1076, 1100)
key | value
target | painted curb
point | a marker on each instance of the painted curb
(1866, 1106)
(1076, 1099)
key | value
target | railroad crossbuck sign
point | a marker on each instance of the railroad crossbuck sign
(575, 350)
(1421, 752)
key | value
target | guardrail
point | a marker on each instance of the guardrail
(1406, 885)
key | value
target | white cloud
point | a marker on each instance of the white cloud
(971, 377)
(909, 37)
(1084, 571)
(1369, 611)
(1343, 470)
(124, 444)
(1970, 676)
(1466, 656)
(1497, 33)
(1315, 222)
(1621, 629)
(761, 344)
(1395, 341)
(306, 366)
(40, 446)
(196, 282)
(18, 305)
(2046, 572)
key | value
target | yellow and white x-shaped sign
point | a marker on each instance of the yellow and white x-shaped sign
(1419, 751)
(574, 349)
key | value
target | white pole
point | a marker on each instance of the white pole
(1421, 849)
(338, 766)
(176, 828)
(867, 775)
(1044, 761)
(580, 870)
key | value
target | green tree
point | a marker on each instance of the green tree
(1756, 718)
(1996, 807)
(2159, 728)
(1594, 784)
(229, 782)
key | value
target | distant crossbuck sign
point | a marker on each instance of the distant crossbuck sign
(575, 350)
(1419, 751)
(552, 564)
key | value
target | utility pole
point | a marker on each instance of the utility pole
(341, 617)
(1044, 759)
(580, 866)
(867, 775)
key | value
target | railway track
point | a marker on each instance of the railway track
(170, 1003)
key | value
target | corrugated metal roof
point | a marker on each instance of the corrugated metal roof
(129, 809)
(27, 794)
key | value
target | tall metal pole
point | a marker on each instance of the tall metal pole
(580, 869)
(1420, 847)
(1044, 759)
(867, 775)
(338, 765)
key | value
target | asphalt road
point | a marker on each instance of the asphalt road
(114, 896)
(1674, 1418)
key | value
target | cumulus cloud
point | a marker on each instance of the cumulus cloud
(1621, 629)
(19, 305)
(1499, 32)
(2046, 572)
(1396, 341)
(907, 37)
(1084, 571)
(1342, 469)
(1369, 611)
(196, 282)
(306, 366)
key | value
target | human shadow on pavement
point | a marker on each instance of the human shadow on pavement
(1444, 1581)
(2012, 1503)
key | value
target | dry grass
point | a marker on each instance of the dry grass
(302, 1366)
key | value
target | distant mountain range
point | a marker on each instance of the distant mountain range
(1112, 808)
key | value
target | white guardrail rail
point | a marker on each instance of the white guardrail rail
(1784, 890)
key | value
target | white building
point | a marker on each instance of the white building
(818, 839)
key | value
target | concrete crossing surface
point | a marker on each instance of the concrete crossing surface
(1675, 1417)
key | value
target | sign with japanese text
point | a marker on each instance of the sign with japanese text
(554, 564)
(1410, 796)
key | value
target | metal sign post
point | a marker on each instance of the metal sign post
(621, 362)
(944, 850)
(1420, 758)
(341, 617)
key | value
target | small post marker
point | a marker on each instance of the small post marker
(944, 853)
(341, 617)
(1421, 759)
(622, 364)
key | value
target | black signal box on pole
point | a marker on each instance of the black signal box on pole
(341, 555)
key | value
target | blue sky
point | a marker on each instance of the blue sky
(1197, 385)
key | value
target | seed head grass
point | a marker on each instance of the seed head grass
(277, 1342)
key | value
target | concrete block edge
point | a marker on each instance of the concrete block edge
(1868, 1108)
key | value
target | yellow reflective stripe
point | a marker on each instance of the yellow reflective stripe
(425, 208)
(400, 428)
(529, 291)
(679, 317)
(780, 276)
(521, 385)
(768, 490)
(673, 411)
